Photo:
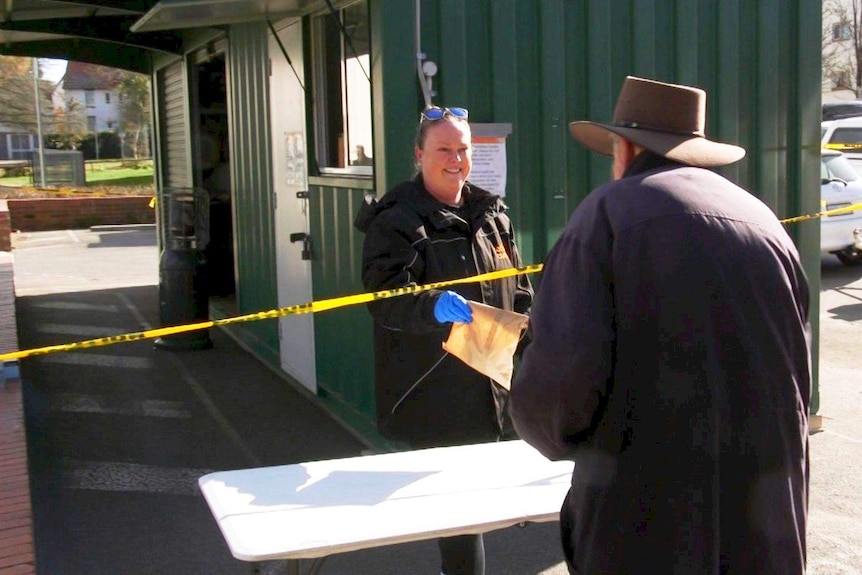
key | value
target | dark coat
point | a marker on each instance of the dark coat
(411, 239)
(670, 360)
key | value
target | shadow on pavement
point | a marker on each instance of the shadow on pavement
(118, 435)
(134, 237)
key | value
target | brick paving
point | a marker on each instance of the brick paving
(16, 522)
(834, 543)
(16, 517)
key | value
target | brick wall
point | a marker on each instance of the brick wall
(38, 215)
(5, 228)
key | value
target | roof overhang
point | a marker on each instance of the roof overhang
(127, 34)
(94, 31)
(179, 14)
(109, 29)
(78, 50)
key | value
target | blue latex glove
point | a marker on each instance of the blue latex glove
(451, 307)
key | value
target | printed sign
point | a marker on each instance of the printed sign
(489, 156)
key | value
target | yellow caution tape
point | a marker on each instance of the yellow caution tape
(842, 210)
(63, 192)
(843, 146)
(310, 307)
(320, 305)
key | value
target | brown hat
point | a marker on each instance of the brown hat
(667, 119)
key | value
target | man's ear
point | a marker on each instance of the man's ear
(624, 153)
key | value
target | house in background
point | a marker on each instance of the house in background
(838, 82)
(93, 94)
(16, 144)
(96, 90)
(18, 128)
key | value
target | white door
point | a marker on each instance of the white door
(290, 176)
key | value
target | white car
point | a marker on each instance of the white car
(844, 135)
(840, 186)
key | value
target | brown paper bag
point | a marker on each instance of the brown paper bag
(488, 343)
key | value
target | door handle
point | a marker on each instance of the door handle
(306, 243)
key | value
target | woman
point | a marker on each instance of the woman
(433, 228)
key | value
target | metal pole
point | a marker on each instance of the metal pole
(39, 122)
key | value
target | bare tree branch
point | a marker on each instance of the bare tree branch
(841, 46)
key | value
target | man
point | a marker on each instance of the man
(670, 358)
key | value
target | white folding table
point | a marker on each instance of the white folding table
(319, 508)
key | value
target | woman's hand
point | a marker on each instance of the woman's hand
(451, 307)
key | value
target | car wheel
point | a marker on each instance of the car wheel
(850, 257)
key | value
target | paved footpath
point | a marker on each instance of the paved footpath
(835, 505)
(118, 435)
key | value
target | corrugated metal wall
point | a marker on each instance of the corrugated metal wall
(248, 68)
(345, 362)
(541, 64)
(174, 150)
(175, 153)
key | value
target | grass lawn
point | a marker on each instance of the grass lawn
(102, 174)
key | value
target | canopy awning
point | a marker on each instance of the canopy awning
(177, 14)
(127, 33)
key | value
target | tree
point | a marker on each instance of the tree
(841, 47)
(135, 109)
(69, 125)
(18, 104)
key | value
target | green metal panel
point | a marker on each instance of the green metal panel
(540, 65)
(254, 234)
(804, 162)
(395, 93)
(343, 346)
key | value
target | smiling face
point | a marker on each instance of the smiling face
(445, 158)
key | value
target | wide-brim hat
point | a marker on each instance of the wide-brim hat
(666, 119)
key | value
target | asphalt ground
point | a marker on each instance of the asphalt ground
(118, 435)
(835, 503)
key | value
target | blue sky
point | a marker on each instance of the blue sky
(52, 69)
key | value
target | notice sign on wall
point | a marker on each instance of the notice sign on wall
(489, 156)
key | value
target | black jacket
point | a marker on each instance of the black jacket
(671, 360)
(412, 239)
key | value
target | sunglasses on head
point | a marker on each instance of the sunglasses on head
(437, 113)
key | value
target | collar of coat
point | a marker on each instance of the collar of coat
(412, 194)
(646, 161)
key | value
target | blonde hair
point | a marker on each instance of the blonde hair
(422, 134)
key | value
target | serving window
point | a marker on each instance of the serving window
(342, 90)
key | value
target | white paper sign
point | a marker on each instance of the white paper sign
(489, 164)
